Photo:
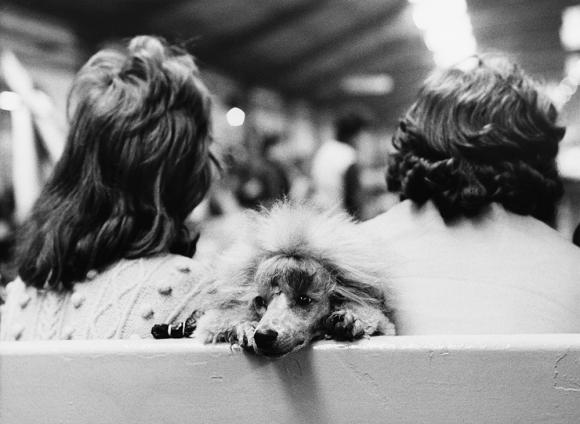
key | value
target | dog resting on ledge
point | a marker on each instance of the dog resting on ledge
(295, 274)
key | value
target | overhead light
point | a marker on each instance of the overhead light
(371, 84)
(427, 13)
(560, 92)
(9, 100)
(235, 117)
(569, 162)
(573, 68)
(570, 29)
(462, 49)
(446, 29)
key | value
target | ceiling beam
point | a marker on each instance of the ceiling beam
(386, 110)
(391, 28)
(245, 37)
(340, 39)
(97, 21)
(388, 57)
(488, 16)
(406, 84)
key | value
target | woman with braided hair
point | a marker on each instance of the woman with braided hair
(105, 252)
(470, 248)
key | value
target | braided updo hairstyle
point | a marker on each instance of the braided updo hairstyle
(136, 163)
(477, 134)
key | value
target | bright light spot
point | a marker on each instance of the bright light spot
(461, 49)
(235, 117)
(9, 100)
(469, 64)
(377, 84)
(573, 68)
(570, 29)
(569, 162)
(446, 39)
(568, 86)
(561, 92)
(427, 13)
(446, 28)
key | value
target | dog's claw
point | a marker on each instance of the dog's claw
(344, 325)
(243, 335)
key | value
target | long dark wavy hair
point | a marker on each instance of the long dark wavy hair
(479, 133)
(136, 163)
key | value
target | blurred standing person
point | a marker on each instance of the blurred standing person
(106, 252)
(335, 169)
(262, 178)
(279, 181)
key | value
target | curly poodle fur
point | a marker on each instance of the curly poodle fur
(476, 136)
(294, 275)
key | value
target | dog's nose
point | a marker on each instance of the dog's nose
(265, 338)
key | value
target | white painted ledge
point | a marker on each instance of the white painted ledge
(432, 379)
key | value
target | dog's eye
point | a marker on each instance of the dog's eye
(259, 302)
(303, 300)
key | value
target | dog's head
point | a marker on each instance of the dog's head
(294, 299)
(293, 266)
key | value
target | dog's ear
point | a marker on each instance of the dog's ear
(357, 292)
(336, 298)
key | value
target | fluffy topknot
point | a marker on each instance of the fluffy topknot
(147, 77)
(301, 230)
(476, 135)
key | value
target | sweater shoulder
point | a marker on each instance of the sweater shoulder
(123, 301)
(145, 292)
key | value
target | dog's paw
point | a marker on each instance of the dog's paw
(344, 325)
(243, 335)
(389, 328)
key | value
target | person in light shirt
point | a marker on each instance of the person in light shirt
(470, 249)
(335, 170)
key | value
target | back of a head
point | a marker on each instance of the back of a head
(479, 133)
(136, 163)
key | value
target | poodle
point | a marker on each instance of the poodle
(295, 275)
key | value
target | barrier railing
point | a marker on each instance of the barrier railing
(434, 379)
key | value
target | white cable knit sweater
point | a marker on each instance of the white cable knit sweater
(124, 301)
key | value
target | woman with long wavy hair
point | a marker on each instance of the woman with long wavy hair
(470, 249)
(105, 252)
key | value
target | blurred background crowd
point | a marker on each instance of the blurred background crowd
(307, 93)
